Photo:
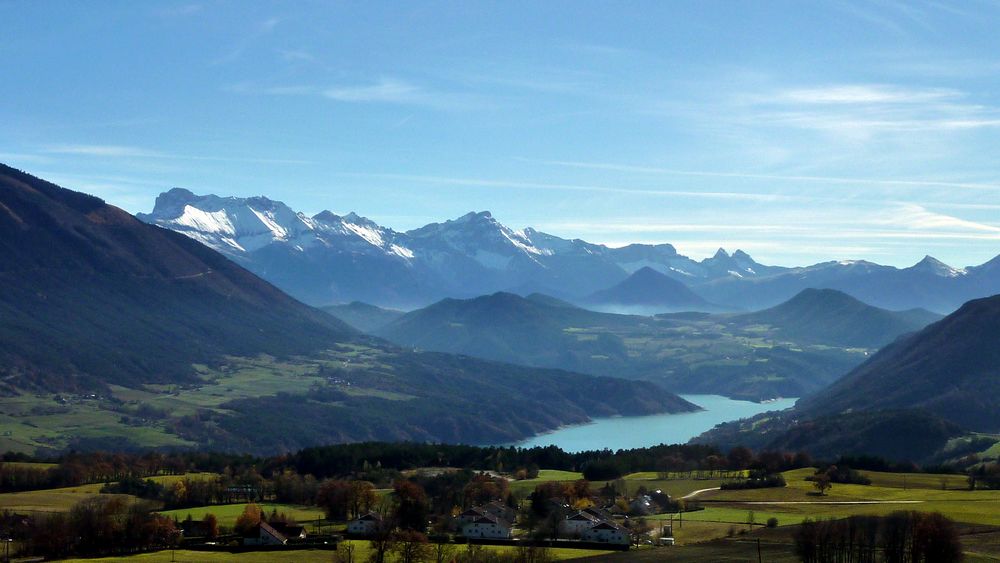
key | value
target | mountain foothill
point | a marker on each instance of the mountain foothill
(241, 324)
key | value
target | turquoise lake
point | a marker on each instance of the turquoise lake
(642, 431)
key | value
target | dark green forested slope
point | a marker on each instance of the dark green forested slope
(951, 368)
(907, 401)
(93, 296)
(94, 300)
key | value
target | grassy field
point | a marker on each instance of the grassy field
(525, 486)
(186, 556)
(361, 551)
(679, 484)
(50, 500)
(30, 422)
(922, 492)
(61, 500)
(228, 513)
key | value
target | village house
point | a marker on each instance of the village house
(487, 526)
(290, 531)
(642, 505)
(493, 520)
(593, 524)
(195, 528)
(606, 532)
(500, 510)
(470, 515)
(365, 525)
(600, 513)
(575, 524)
(264, 534)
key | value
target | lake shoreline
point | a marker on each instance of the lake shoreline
(625, 432)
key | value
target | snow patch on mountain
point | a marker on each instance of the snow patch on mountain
(215, 222)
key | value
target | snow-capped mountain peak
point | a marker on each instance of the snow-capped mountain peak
(237, 226)
(937, 267)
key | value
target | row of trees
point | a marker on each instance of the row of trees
(75, 469)
(103, 525)
(985, 476)
(382, 462)
(901, 537)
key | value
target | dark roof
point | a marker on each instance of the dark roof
(267, 529)
(583, 515)
(290, 530)
(487, 519)
(371, 516)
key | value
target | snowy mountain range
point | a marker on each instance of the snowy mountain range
(330, 258)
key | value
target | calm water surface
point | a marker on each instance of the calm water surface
(642, 431)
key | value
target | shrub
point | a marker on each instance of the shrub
(603, 470)
(756, 482)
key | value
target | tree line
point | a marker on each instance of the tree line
(901, 537)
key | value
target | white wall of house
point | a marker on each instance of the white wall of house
(573, 528)
(606, 535)
(362, 527)
(489, 530)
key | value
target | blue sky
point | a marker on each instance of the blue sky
(797, 131)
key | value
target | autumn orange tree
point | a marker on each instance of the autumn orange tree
(248, 519)
(484, 488)
(211, 526)
(412, 507)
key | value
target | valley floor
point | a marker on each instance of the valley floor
(727, 529)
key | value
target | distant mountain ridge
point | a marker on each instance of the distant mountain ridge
(98, 308)
(362, 316)
(951, 368)
(772, 354)
(905, 402)
(828, 316)
(647, 291)
(329, 258)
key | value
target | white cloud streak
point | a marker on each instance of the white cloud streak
(388, 90)
(881, 182)
(122, 151)
(863, 94)
(521, 185)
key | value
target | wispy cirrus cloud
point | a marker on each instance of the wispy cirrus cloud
(391, 90)
(124, 151)
(918, 218)
(546, 186)
(865, 109)
(794, 178)
(863, 94)
(385, 90)
(114, 151)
